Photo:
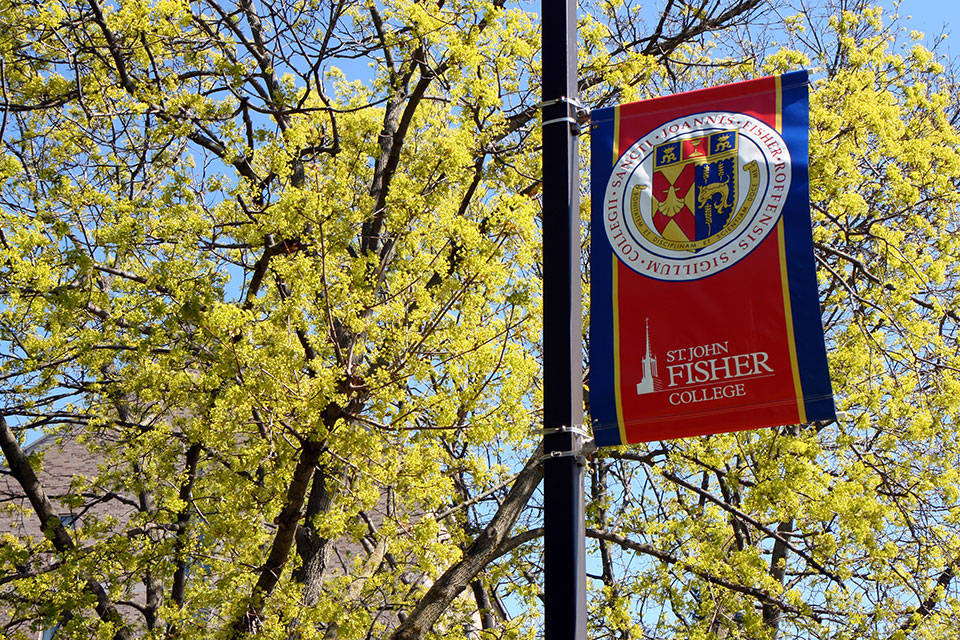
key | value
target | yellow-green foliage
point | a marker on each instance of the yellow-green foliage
(185, 267)
(237, 240)
(865, 509)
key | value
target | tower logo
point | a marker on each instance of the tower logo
(650, 382)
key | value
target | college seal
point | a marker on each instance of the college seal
(696, 195)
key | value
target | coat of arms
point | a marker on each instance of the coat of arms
(694, 192)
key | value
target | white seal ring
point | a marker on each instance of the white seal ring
(638, 212)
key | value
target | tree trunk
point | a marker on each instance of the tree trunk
(23, 473)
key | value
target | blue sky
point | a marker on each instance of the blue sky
(931, 17)
(934, 13)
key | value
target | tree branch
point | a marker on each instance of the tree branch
(481, 552)
(927, 606)
(669, 558)
(20, 468)
(287, 522)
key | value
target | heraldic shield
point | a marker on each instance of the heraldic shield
(694, 190)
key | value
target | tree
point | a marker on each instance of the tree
(279, 263)
(839, 530)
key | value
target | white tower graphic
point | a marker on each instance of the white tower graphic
(650, 381)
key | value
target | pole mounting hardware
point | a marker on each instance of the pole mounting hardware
(587, 449)
(584, 445)
(577, 429)
(581, 111)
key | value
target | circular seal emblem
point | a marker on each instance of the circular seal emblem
(696, 195)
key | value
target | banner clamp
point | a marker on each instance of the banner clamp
(586, 450)
(578, 430)
(580, 111)
(571, 101)
(572, 121)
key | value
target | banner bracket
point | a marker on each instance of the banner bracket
(573, 121)
(578, 430)
(586, 450)
(571, 101)
(583, 445)
(581, 113)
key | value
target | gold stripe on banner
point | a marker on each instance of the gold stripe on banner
(616, 135)
(616, 298)
(779, 94)
(787, 308)
(616, 354)
(788, 316)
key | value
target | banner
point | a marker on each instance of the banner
(704, 315)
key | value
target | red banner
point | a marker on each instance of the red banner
(704, 307)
